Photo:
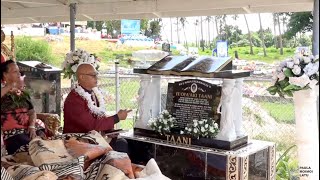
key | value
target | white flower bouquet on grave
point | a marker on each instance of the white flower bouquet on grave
(163, 123)
(295, 74)
(205, 128)
(75, 58)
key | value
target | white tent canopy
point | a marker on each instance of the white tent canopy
(38, 11)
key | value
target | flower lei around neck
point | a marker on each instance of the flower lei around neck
(94, 109)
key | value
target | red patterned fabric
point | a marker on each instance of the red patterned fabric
(15, 120)
(3, 59)
(13, 115)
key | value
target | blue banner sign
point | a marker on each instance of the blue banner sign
(130, 26)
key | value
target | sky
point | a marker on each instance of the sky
(253, 21)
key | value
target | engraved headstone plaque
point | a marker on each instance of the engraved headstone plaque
(193, 99)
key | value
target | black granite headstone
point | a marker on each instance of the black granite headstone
(193, 99)
(166, 47)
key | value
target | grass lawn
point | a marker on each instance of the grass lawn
(282, 113)
(108, 52)
(273, 54)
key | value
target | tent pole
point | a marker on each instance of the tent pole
(72, 25)
(72, 34)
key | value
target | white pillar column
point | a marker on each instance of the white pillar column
(307, 133)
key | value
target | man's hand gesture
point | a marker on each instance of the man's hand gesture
(122, 114)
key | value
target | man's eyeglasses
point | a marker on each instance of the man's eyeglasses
(92, 75)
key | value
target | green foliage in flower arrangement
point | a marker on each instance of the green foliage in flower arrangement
(19, 97)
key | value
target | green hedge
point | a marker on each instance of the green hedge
(28, 49)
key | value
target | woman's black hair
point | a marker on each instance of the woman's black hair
(5, 67)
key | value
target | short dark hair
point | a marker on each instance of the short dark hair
(5, 67)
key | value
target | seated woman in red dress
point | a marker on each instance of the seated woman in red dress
(18, 118)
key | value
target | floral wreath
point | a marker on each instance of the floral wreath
(75, 58)
(93, 108)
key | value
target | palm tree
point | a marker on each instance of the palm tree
(196, 23)
(183, 22)
(212, 28)
(284, 22)
(262, 37)
(201, 41)
(224, 20)
(280, 36)
(178, 30)
(208, 19)
(274, 29)
(217, 27)
(171, 29)
(235, 17)
(249, 33)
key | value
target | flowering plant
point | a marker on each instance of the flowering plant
(75, 58)
(163, 123)
(295, 74)
(206, 128)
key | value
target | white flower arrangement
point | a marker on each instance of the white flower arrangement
(163, 123)
(75, 58)
(206, 128)
(295, 74)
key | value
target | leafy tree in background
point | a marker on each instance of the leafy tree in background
(95, 25)
(299, 22)
(232, 34)
(305, 41)
(256, 39)
(268, 38)
(113, 25)
(144, 24)
(155, 28)
(243, 43)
